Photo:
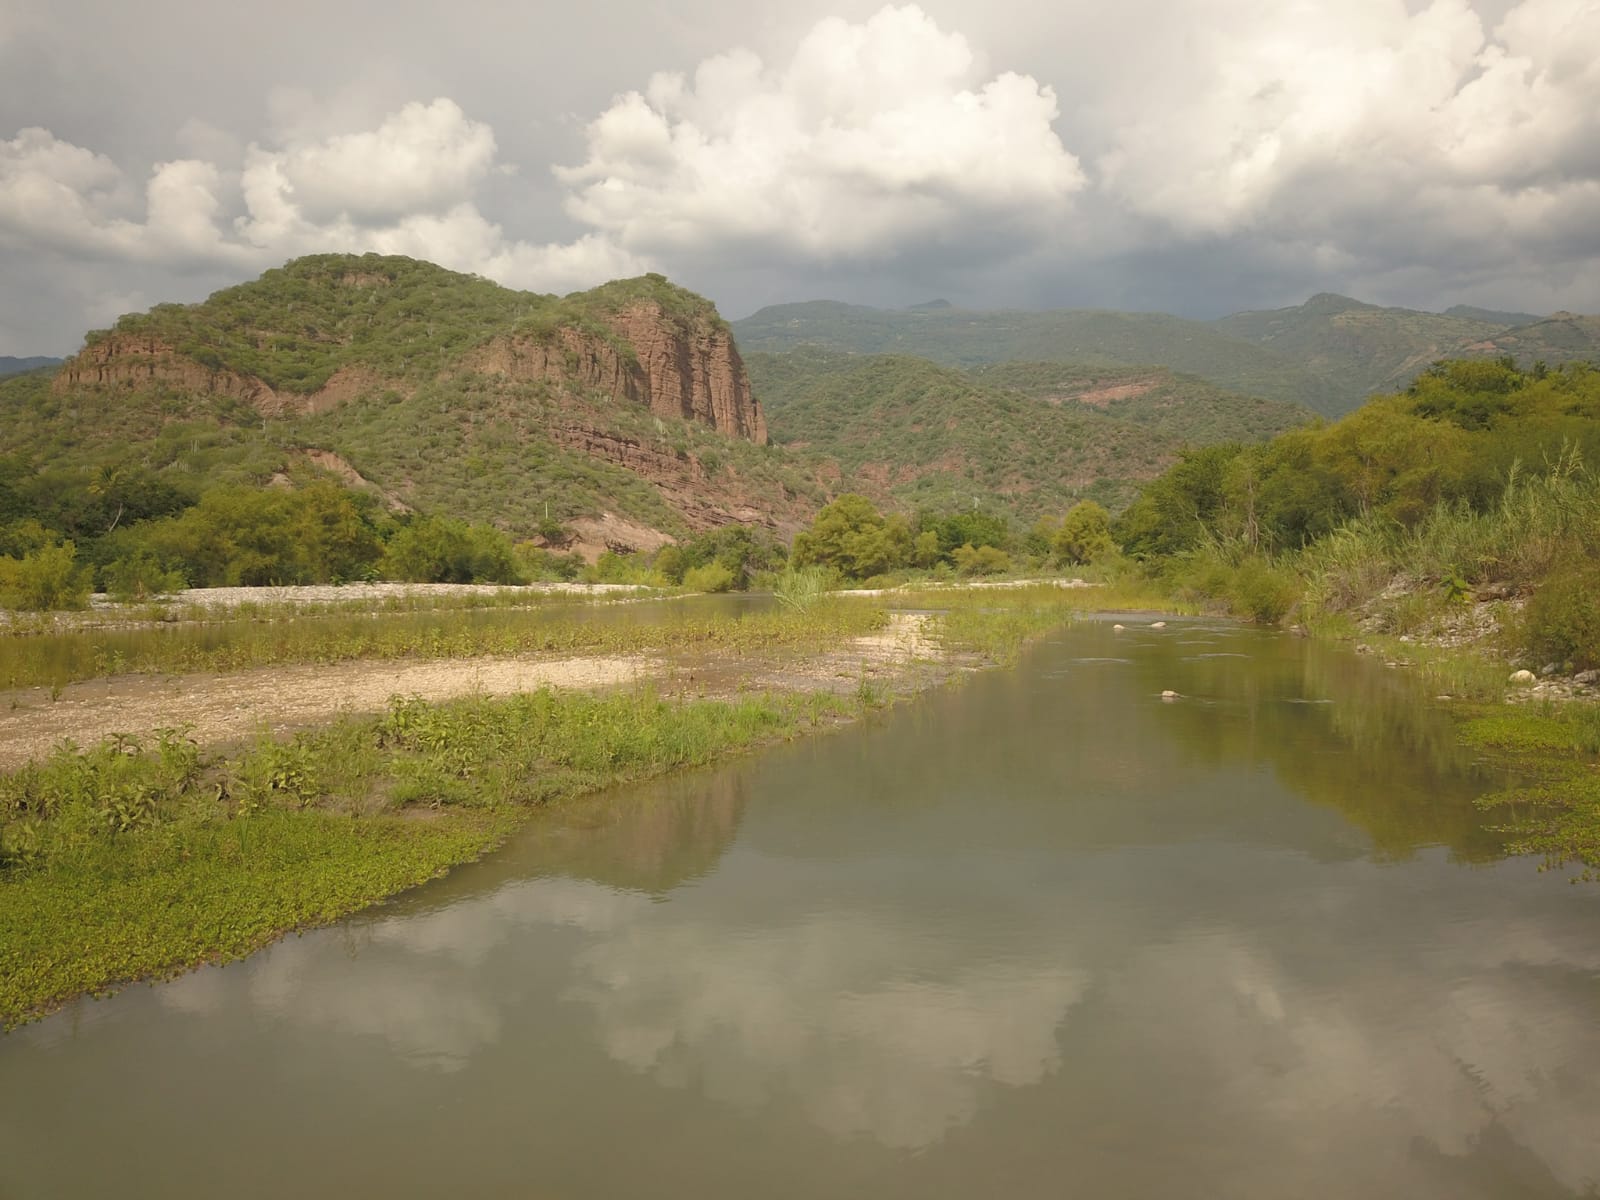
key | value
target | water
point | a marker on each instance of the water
(1042, 934)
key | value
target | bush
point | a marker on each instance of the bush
(48, 578)
(1562, 622)
(140, 575)
(713, 577)
(444, 550)
(1262, 591)
(1084, 534)
(981, 560)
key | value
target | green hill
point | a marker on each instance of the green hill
(444, 392)
(1328, 354)
(1491, 316)
(1182, 406)
(964, 338)
(911, 433)
(18, 366)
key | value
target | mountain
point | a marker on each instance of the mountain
(965, 338)
(1030, 438)
(1492, 316)
(1365, 347)
(1560, 337)
(1184, 407)
(17, 366)
(1328, 354)
(627, 406)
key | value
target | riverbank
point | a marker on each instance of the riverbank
(1535, 720)
(159, 847)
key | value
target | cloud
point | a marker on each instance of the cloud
(1369, 131)
(874, 139)
(425, 158)
(407, 186)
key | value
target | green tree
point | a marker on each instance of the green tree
(1085, 534)
(853, 538)
(46, 578)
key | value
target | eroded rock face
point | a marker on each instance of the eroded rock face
(128, 360)
(692, 370)
(693, 373)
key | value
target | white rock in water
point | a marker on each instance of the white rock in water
(1523, 676)
(1158, 624)
(1119, 627)
(1169, 694)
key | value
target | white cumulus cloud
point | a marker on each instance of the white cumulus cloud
(408, 186)
(1379, 131)
(873, 139)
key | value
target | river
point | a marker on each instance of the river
(1043, 933)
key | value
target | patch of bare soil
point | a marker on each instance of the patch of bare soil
(224, 708)
(221, 708)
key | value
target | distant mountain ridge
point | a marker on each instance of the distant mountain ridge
(1328, 354)
(1030, 437)
(17, 366)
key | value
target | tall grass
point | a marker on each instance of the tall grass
(452, 634)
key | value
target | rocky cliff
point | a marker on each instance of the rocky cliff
(690, 370)
(424, 376)
(677, 366)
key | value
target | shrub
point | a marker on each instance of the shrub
(713, 577)
(1084, 535)
(1562, 623)
(1262, 591)
(981, 560)
(48, 578)
(140, 575)
(445, 550)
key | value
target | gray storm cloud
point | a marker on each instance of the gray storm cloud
(1424, 155)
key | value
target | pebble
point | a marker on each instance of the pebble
(1158, 624)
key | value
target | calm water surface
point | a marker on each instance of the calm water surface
(1039, 935)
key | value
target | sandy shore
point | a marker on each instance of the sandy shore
(219, 708)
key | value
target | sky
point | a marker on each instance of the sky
(1189, 156)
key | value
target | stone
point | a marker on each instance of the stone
(1158, 624)
(1522, 676)
(1169, 695)
(1587, 677)
(1549, 669)
(1119, 627)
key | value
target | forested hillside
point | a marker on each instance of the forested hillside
(1024, 438)
(1328, 354)
(963, 338)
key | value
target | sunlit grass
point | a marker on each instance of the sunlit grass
(131, 860)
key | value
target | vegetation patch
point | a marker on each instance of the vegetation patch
(1555, 810)
(130, 860)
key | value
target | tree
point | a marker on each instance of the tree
(852, 536)
(1085, 534)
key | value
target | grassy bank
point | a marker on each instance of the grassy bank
(132, 860)
(39, 662)
(135, 859)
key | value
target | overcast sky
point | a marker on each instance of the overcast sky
(1194, 156)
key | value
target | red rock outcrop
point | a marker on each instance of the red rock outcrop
(130, 360)
(692, 372)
